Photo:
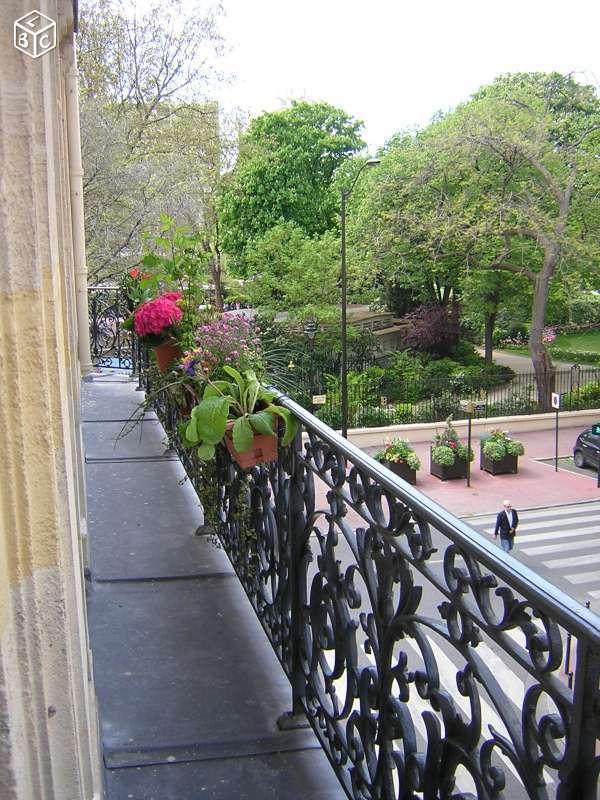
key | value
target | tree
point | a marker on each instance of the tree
(508, 182)
(150, 138)
(284, 173)
(293, 272)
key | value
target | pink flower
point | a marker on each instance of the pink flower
(155, 315)
(172, 296)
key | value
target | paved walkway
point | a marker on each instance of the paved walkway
(189, 689)
(518, 363)
(536, 484)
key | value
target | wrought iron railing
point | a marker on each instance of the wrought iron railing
(429, 663)
(111, 345)
(394, 402)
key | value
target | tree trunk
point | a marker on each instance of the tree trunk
(542, 363)
(215, 268)
(490, 323)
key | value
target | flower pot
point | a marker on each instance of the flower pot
(506, 465)
(448, 473)
(166, 353)
(263, 450)
(402, 470)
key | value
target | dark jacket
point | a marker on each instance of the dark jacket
(503, 525)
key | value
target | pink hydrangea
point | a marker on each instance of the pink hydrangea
(155, 315)
(172, 296)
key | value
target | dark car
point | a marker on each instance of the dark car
(586, 452)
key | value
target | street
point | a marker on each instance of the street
(561, 543)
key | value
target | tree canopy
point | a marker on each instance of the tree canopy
(150, 137)
(506, 183)
(293, 272)
(284, 173)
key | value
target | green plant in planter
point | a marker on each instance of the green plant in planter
(447, 448)
(245, 401)
(399, 451)
(498, 444)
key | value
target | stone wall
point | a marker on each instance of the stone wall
(48, 731)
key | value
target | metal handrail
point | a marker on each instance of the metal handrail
(346, 624)
(579, 619)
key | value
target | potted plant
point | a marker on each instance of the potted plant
(240, 413)
(499, 454)
(399, 456)
(155, 323)
(449, 457)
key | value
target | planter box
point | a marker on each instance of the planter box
(402, 471)
(457, 470)
(506, 465)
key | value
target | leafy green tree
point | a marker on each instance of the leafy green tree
(284, 173)
(293, 272)
(506, 183)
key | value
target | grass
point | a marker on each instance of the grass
(582, 341)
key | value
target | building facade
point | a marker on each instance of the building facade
(48, 729)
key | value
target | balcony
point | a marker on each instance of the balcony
(427, 663)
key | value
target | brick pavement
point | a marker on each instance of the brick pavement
(536, 484)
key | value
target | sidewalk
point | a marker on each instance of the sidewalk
(536, 484)
(188, 687)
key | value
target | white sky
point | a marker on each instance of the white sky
(393, 63)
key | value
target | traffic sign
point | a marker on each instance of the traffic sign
(555, 400)
(319, 399)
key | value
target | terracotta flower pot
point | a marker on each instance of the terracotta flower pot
(263, 450)
(166, 353)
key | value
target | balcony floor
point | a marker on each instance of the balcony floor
(189, 689)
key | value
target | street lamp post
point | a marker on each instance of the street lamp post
(344, 362)
(310, 331)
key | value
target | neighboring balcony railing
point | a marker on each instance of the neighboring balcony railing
(429, 663)
(111, 345)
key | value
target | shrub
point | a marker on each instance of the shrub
(578, 356)
(518, 404)
(433, 328)
(494, 451)
(585, 308)
(330, 416)
(404, 413)
(446, 447)
(443, 455)
(443, 407)
(399, 451)
(465, 353)
(371, 417)
(587, 396)
(498, 444)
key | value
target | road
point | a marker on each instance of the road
(562, 544)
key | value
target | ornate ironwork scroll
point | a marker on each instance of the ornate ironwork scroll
(111, 344)
(429, 664)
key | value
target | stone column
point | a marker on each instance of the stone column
(48, 730)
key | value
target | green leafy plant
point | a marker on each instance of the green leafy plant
(447, 448)
(498, 444)
(400, 452)
(243, 401)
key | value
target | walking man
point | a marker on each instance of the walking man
(506, 524)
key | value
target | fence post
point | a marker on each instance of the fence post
(579, 773)
(296, 521)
